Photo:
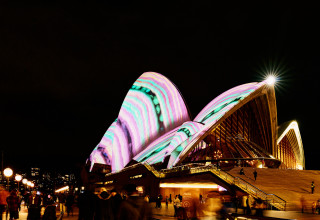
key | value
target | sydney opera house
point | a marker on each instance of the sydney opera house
(154, 141)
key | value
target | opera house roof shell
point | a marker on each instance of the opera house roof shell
(239, 126)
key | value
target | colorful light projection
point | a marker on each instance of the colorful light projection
(210, 114)
(154, 124)
(152, 107)
(158, 150)
(102, 153)
(224, 102)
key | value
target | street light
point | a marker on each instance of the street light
(8, 173)
(18, 179)
(24, 181)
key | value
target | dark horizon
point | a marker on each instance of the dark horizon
(66, 68)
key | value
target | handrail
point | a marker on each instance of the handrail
(154, 171)
(272, 199)
(246, 186)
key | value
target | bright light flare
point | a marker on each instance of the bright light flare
(271, 80)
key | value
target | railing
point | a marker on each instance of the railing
(244, 185)
(154, 171)
(271, 199)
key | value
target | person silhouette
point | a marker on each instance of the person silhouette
(312, 187)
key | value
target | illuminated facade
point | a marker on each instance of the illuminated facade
(237, 128)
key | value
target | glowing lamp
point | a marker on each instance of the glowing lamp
(8, 172)
(18, 177)
(24, 181)
(32, 184)
(271, 80)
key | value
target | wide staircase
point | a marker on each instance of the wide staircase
(282, 189)
(293, 186)
(273, 200)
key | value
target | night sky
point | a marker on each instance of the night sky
(66, 67)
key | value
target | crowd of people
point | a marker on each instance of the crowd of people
(10, 202)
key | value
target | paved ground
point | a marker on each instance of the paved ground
(290, 185)
(166, 213)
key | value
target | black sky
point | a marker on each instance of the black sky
(66, 68)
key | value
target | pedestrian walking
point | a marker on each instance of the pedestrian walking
(103, 208)
(116, 200)
(49, 212)
(312, 187)
(255, 174)
(86, 204)
(241, 171)
(167, 201)
(13, 205)
(3, 200)
(34, 206)
(248, 203)
(134, 207)
(69, 203)
(176, 205)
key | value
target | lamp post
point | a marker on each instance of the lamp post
(18, 179)
(25, 181)
(8, 173)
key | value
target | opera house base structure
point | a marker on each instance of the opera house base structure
(155, 144)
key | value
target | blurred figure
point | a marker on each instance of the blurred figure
(176, 205)
(312, 187)
(134, 207)
(255, 174)
(167, 201)
(62, 201)
(146, 198)
(303, 203)
(158, 201)
(34, 206)
(103, 209)
(86, 204)
(69, 203)
(49, 212)
(259, 205)
(314, 206)
(248, 205)
(241, 171)
(318, 207)
(115, 201)
(3, 199)
(26, 199)
(13, 205)
(236, 203)
(212, 207)
(191, 205)
(200, 198)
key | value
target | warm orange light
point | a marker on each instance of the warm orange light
(8, 172)
(18, 177)
(62, 189)
(189, 185)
